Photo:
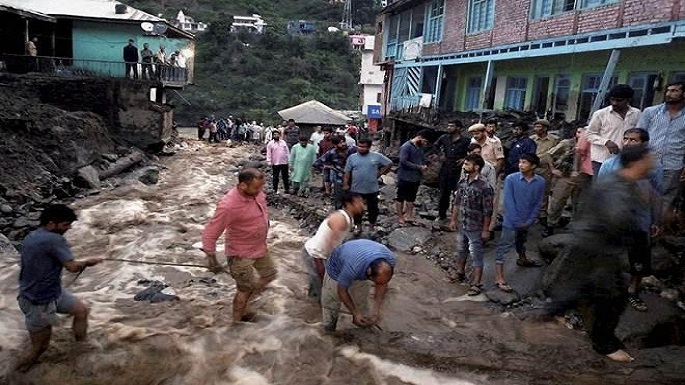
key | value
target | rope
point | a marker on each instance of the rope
(155, 263)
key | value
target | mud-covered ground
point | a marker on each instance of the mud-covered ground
(430, 333)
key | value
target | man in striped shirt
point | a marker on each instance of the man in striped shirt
(665, 124)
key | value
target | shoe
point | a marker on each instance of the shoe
(474, 290)
(637, 303)
(504, 287)
(525, 262)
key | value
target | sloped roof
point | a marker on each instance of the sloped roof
(314, 112)
(98, 9)
(19, 10)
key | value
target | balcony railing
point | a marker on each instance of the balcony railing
(68, 67)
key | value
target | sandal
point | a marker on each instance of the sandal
(474, 290)
(504, 287)
(525, 262)
(637, 303)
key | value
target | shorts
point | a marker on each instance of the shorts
(640, 255)
(40, 317)
(406, 191)
(242, 270)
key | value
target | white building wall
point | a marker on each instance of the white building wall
(371, 76)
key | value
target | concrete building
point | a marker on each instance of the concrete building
(371, 79)
(548, 56)
(91, 34)
(252, 24)
(187, 23)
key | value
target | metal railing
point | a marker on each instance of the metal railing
(68, 67)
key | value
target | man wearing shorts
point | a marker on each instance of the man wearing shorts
(43, 255)
(242, 214)
(409, 174)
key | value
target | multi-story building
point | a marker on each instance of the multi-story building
(548, 56)
(189, 24)
(251, 24)
(371, 79)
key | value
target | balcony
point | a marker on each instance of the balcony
(172, 77)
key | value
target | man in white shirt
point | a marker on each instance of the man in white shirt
(608, 124)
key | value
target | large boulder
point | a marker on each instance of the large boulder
(551, 246)
(405, 238)
(88, 177)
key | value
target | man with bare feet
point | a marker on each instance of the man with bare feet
(242, 214)
(43, 255)
(590, 271)
(348, 271)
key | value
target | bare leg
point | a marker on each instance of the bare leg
(461, 265)
(409, 209)
(634, 287)
(80, 323)
(400, 213)
(477, 276)
(240, 305)
(499, 273)
(39, 344)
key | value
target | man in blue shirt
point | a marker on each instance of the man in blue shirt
(362, 171)
(348, 271)
(521, 145)
(640, 249)
(43, 255)
(409, 175)
(665, 123)
(523, 195)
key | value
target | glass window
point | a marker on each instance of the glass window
(544, 8)
(562, 90)
(515, 95)
(436, 14)
(588, 92)
(481, 15)
(473, 91)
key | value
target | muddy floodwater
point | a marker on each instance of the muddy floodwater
(429, 335)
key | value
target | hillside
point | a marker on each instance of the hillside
(256, 75)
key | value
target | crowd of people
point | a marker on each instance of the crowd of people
(623, 173)
(154, 65)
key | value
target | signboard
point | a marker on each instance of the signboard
(373, 112)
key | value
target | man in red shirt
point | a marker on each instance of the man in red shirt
(242, 214)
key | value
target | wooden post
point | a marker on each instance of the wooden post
(606, 79)
(438, 86)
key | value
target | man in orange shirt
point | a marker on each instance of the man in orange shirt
(242, 214)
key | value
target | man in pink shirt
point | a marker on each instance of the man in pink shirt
(277, 154)
(242, 214)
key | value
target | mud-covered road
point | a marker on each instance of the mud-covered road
(430, 334)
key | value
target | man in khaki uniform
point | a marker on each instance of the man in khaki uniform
(545, 142)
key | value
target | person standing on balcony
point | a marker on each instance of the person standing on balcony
(131, 59)
(161, 62)
(147, 57)
(31, 49)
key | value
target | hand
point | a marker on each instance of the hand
(612, 147)
(359, 320)
(213, 265)
(485, 235)
(93, 261)
(654, 231)
(424, 167)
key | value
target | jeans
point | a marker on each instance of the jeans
(314, 280)
(470, 242)
(511, 237)
(330, 301)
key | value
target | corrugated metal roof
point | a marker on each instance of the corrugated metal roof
(25, 12)
(314, 112)
(98, 9)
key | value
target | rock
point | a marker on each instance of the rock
(664, 262)
(661, 325)
(551, 246)
(670, 294)
(24, 222)
(88, 177)
(502, 298)
(405, 238)
(6, 209)
(7, 250)
(149, 176)
(110, 157)
(389, 179)
(255, 164)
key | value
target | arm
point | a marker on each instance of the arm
(269, 150)
(211, 233)
(346, 181)
(405, 153)
(535, 211)
(456, 204)
(488, 208)
(357, 318)
(378, 303)
(74, 266)
(510, 202)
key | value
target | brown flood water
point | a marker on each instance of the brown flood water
(430, 335)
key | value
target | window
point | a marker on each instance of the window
(562, 90)
(515, 96)
(544, 8)
(435, 18)
(391, 46)
(473, 90)
(417, 19)
(677, 77)
(643, 85)
(588, 92)
(481, 15)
